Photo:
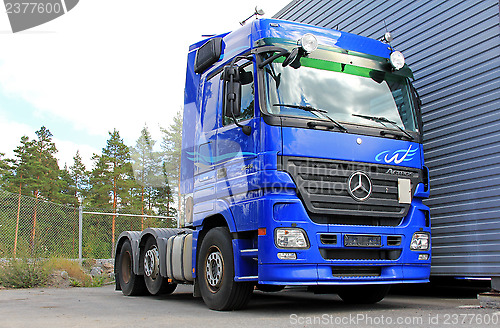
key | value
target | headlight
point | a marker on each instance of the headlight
(397, 60)
(308, 42)
(420, 241)
(290, 238)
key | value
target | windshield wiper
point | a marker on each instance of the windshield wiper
(382, 120)
(312, 109)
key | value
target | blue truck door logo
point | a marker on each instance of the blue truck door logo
(407, 156)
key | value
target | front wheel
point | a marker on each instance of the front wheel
(216, 273)
(363, 294)
(155, 283)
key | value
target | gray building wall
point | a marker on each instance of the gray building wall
(453, 48)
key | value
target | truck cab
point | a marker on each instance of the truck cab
(302, 165)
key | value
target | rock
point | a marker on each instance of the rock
(107, 265)
(90, 262)
(64, 275)
(57, 280)
(96, 271)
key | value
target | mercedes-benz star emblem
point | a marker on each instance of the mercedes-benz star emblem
(359, 186)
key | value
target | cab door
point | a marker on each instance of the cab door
(237, 155)
(204, 154)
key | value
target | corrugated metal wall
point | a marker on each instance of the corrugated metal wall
(453, 48)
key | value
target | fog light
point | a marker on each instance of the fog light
(308, 42)
(287, 256)
(397, 60)
(423, 257)
(420, 241)
(290, 238)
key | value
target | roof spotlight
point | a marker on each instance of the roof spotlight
(397, 60)
(308, 42)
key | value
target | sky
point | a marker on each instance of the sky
(105, 64)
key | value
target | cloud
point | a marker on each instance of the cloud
(67, 150)
(11, 133)
(113, 64)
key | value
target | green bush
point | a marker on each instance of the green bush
(22, 273)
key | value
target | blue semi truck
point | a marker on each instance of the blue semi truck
(302, 165)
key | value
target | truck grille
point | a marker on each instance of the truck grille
(355, 271)
(359, 254)
(322, 185)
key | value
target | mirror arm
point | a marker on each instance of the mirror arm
(283, 52)
(247, 130)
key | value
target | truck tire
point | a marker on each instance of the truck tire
(363, 294)
(130, 283)
(216, 273)
(155, 283)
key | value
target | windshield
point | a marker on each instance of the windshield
(341, 91)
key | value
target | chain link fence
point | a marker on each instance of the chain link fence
(31, 227)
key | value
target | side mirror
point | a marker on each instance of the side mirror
(293, 59)
(232, 91)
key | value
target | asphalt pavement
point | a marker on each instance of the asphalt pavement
(105, 307)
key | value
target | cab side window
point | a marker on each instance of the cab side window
(247, 95)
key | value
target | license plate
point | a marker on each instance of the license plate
(362, 241)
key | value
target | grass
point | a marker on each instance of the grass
(73, 269)
(26, 273)
(23, 274)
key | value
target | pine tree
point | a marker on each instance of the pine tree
(163, 196)
(79, 178)
(5, 170)
(112, 178)
(23, 168)
(147, 168)
(45, 166)
(22, 176)
(171, 146)
(67, 188)
(35, 172)
(100, 185)
(47, 171)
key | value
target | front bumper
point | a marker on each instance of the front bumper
(321, 274)
(387, 264)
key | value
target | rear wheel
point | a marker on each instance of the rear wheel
(130, 283)
(216, 273)
(363, 294)
(155, 283)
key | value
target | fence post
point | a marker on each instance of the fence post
(80, 234)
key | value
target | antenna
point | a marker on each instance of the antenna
(387, 37)
(258, 12)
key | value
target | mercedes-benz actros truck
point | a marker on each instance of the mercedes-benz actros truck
(302, 165)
